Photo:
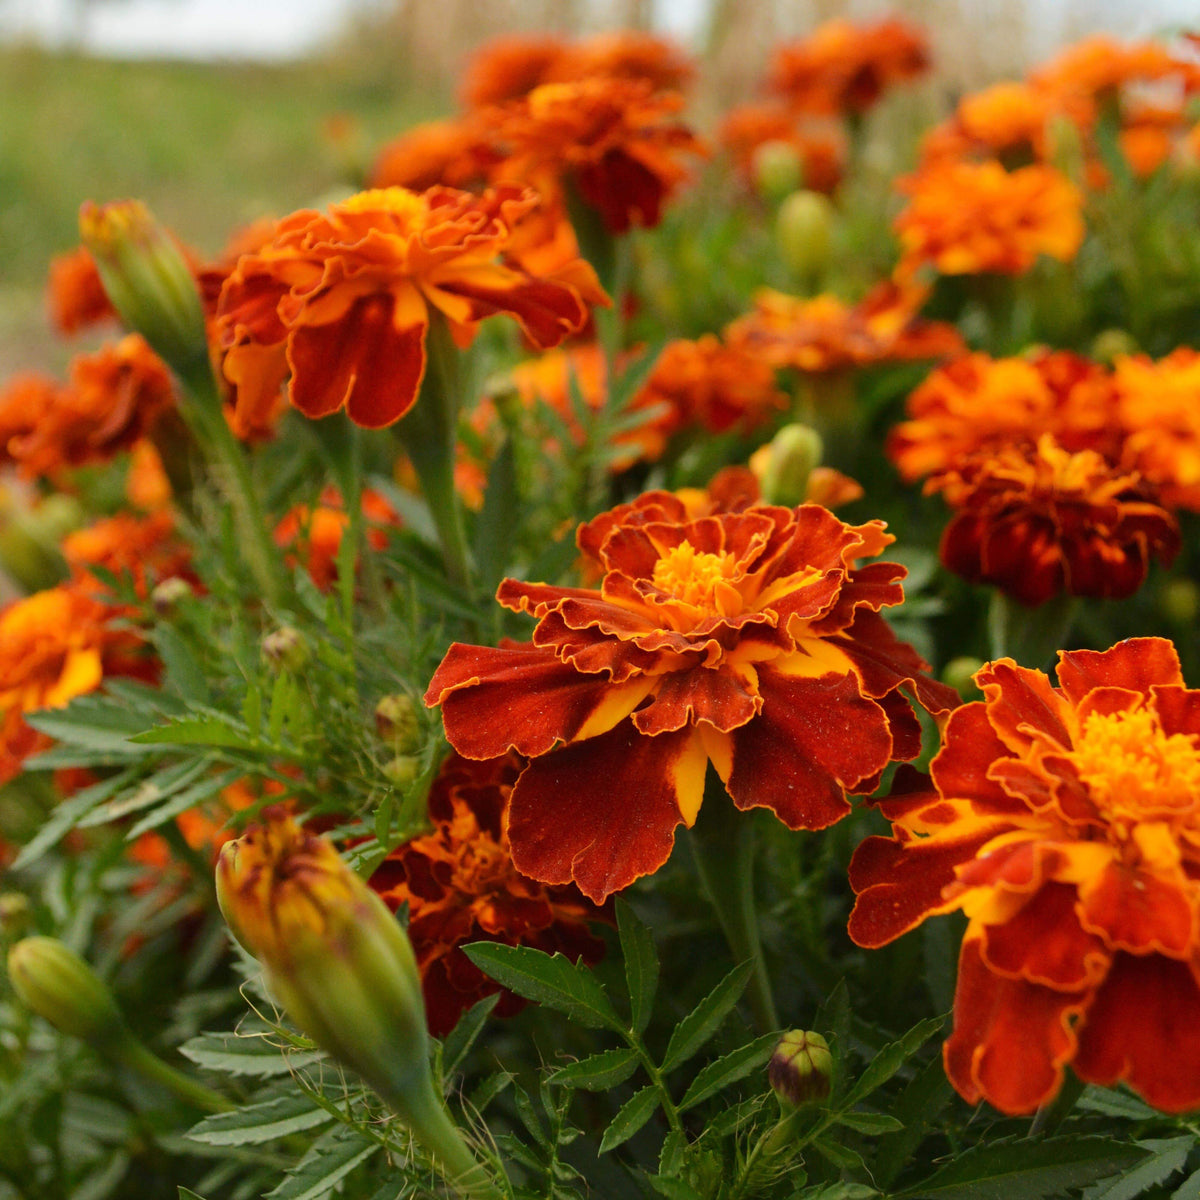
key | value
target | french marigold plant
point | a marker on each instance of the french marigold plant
(1061, 821)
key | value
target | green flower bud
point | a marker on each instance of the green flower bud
(285, 649)
(148, 280)
(778, 170)
(795, 451)
(52, 980)
(801, 1069)
(1179, 601)
(804, 232)
(15, 915)
(167, 596)
(397, 723)
(959, 673)
(402, 770)
(1110, 344)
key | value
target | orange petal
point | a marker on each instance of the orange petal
(1136, 664)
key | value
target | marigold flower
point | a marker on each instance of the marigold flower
(615, 140)
(344, 297)
(1005, 120)
(460, 886)
(75, 296)
(845, 68)
(317, 532)
(1097, 67)
(978, 403)
(451, 153)
(112, 399)
(964, 218)
(1159, 406)
(625, 54)
(1038, 522)
(1062, 822)
(146, 485)
(819, 144)
(741, 638)
(507, 68)
(147, 549)
(826, 334)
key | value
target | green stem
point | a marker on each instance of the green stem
(132, 1054)
(1031, 636)
(429, 431)
(656, 1077)
(723, 846)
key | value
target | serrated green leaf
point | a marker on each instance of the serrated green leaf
(489, 1089)
(641, 964)
(160, 786)
(599, 1072)
(1167, 1157)
(729, 1069)
(670, 1157)
(869, 1122)
(1025, 1169)
(1189, 1189)
(673, 1187)
(92, 723)
(188, 1194)
(330, 1159)
(838, 1191)
(529, 1117)
(186, 799)
(252, 709)
(890, 1059)
(498, 517)
(549, 979)
(245, 1055)
(182, 672)
(461, 1038)
(220, 730)
(69, 813)
(705, 1019)
(841, 1156)
(1113, 1103)
(633, 1114)
(257, 1123)
(916, 1108)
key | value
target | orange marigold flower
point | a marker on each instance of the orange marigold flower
(146, 485)
(826, 334)
(978, 403)
(343, 297)
(507, 68)
(460, 886)
(1038, 522)
(453, 153)
(819, 144)
(1159, 407)
(1096, 68)
(624, 54)
(147, 549)
(964, 218)
(616, 140)
(75, 297)
(1008, 119)
(742, 638)
(1063, 822)
(709, 384)
(844, 68)
(112, 399)
(316, 534)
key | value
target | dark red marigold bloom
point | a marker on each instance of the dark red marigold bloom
(1040, 521)
(749, 639)
(1064, 822)
(460, 886)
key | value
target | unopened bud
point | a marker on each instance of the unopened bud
(285, 649)
(15, 916)
(1180, 601)
(801, 1069)
(804, 232)
(791, 457)
(169, 594)
(1110, 344)
(397, 723)
(959, 673)
(147, 279)
(52, 980)
(778, 170)
(402, 770)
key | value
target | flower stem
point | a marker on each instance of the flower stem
(131, 1053)
(1031, 636)
(723, 846)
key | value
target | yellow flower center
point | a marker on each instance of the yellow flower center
(694, 576)
(1133, 769)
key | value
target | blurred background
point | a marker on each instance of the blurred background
(219, 111)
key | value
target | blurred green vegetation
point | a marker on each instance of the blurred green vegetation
(209, 146)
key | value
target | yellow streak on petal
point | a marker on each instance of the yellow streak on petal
(619, 701)
(718, 747)
(814, 657)
(82, 673)
(689, 778)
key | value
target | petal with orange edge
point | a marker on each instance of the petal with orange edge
(962, 767)
(545, 310)
(603, 812)
(1016, 697)
(812, 740)
(1143, 1027)
(1136, 664)
(1011, 1038)
(685, 697)
(1138, 911)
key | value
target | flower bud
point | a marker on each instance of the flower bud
(959, 673)
(789, 459)
(147, 279)
(397, 723)
(801, 1069)
(52, 980)
(778, 170)
(1110, 344)
(15, 916)
(804, 232)
(1179, 601)
(166, 596)
(285, 649)
(402, 770)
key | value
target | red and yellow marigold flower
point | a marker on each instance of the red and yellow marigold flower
(740, 638)
(450, 153)
(826, 334)
(965, 218)
(1041, 521)
(844, 68)
(1159, 407)
(617, 142)
(460, 886)
(342, 299)
(1063, 822)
